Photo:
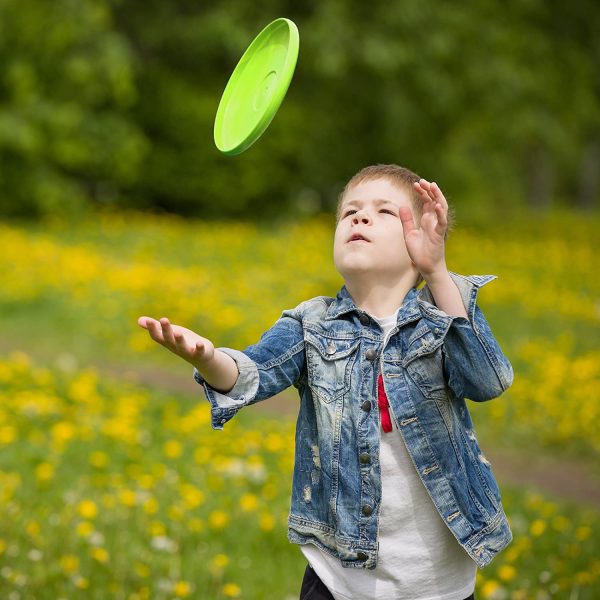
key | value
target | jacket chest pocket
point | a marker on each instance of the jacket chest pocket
(329, 362)
(424, 364)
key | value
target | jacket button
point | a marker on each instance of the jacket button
(364, 320)
(365, 458)
(366, 405)
(330, 348)
(371, 354)
(366, 510)
(361, 556)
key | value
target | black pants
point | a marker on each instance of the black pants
(314, 589)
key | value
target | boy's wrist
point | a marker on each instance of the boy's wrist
(436, 277)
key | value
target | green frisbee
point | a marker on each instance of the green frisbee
(257, 87)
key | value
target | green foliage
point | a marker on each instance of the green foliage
(102, 100)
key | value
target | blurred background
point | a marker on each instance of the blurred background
(115, 203)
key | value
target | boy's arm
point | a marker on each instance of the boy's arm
(218, 369)
(234, 379)
(474, 364)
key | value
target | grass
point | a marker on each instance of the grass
(114, 488)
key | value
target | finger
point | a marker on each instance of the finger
(442, 215)
(155, 330)
(438, 195)
(142, 322)
(167, 331)
(408, 223)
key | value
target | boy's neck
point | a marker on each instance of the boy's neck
(380, 298)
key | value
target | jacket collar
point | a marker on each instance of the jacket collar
(343, 303)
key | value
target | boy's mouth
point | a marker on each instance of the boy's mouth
(357, 237)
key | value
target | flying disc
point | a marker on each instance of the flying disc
(257, 87)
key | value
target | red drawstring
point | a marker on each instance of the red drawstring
(384, 406)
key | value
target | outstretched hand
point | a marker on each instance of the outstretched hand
(425, 244)
(181, 341)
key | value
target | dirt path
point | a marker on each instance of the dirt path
(564, 478)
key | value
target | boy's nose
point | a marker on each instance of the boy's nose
(360, 218)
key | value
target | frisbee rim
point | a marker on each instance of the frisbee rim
(270, 110)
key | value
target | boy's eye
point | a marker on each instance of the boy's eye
(349, 212)
(388, 211)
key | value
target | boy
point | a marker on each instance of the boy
(391, 496)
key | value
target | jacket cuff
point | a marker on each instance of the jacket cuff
(468, 286)
(223, 406)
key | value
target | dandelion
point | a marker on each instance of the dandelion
(44, 471)
(490, 589)
(84, 529)
(537, 528)
(99, 459)
(507, 573)
(248, 502)
(231, 590)
(218, 519)
(88, 509)
(69, 563)
(583, 533)
(173, 449)
(220, 561)
(266, 522)
(182, 589)
(81, 582)
(99, 554)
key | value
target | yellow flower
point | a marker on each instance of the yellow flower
(537, 527)
(33, 528)
(82, 583)
(507, 573)
(99, 554)
(218, 519)
(560, 523)
(182, 589)
(69, 563)
(151, 506)
(99, 459)
(583, 532)
(248, 502)
(157, 529)
(84, 529)
(489, 588)
(127, 497)
(8, 434)
(231, 590)
(220, 561)
(88, 509)
(196, 525)
(142, 570)
(173, 449)
(192, 496)
(44, 471)
(267, 522)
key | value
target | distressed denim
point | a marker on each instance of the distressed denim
(332, 352)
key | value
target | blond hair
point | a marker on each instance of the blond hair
(404, 179)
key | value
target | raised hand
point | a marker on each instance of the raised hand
(183, 342)
(425, 245)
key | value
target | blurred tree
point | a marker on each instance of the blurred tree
(115, 100)
(65, 91)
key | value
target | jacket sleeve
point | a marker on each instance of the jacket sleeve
(475, 366)
(266, 368)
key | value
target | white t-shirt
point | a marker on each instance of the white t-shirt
(419, 558)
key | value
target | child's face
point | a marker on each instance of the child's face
(371, 210)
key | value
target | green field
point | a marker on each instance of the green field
(116, 489)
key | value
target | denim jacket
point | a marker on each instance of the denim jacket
(332, 352)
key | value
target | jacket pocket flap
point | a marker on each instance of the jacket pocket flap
(331, 348)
